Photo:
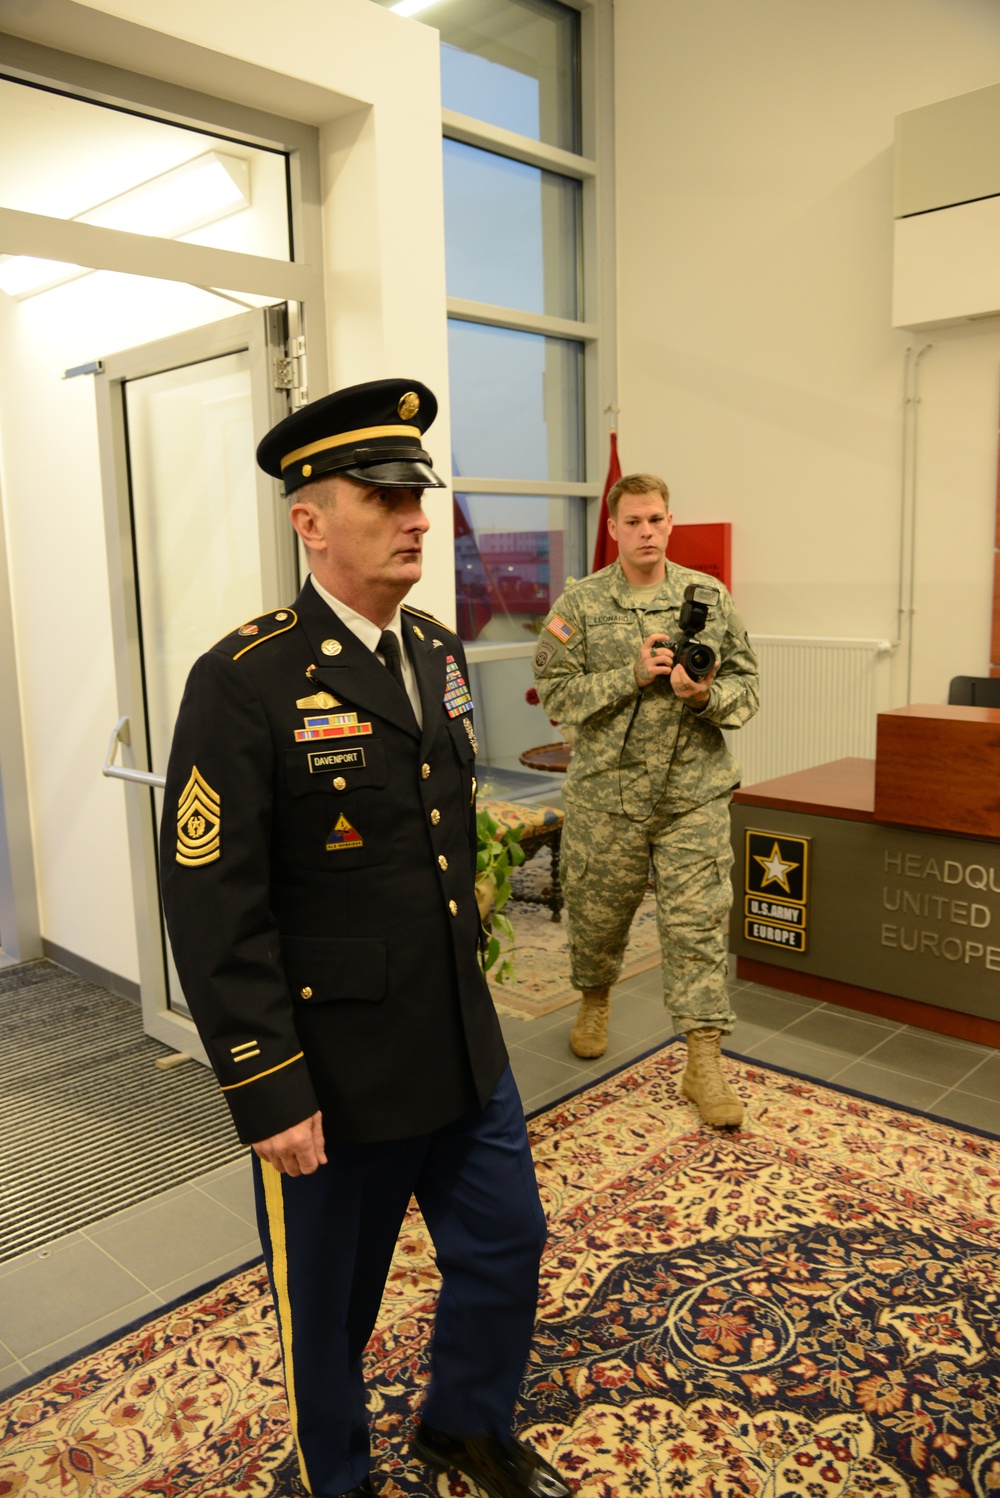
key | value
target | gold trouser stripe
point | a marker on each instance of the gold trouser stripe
(275, 1203)
(231, 1086)
(342, 439)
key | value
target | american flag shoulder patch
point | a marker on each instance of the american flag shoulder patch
(560, 629)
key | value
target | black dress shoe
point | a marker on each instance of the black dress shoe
(363, 1490)
(504, 1469)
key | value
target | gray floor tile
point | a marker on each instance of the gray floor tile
(768, 1008)
(985, 1080)
(171, 1239)
(935, 1058)
(102, 1326)
(200, 1274)
(891, 1086)
(536, 1074)
(964, 1108)
(12, 1373)
(836, 1030)
(743, 1036)
(45, 1299)
(800, 1056)
(233, 1189)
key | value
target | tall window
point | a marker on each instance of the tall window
(520, 181)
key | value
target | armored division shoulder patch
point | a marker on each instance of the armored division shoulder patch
(199, 822)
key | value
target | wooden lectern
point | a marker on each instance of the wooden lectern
(939, 767)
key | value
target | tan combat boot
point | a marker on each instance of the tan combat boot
(704, 1083)
(589, 1036)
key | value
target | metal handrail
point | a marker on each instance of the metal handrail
(120, 735)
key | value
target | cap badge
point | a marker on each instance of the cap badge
(307, 469)
(409, 405)
(331, 647)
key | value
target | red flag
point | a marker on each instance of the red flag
(606, 547)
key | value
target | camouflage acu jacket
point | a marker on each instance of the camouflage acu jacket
(633, 751)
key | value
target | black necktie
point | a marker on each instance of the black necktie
(388, 649)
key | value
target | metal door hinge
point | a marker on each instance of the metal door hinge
(290, 372)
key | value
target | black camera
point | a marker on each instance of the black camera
(694, 655)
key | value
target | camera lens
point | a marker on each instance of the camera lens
(698, 660)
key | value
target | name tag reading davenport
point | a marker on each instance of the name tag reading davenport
(776, 905)
(336, 759)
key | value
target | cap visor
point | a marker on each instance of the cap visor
(398, 473)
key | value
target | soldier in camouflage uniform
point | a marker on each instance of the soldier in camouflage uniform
(650, 777)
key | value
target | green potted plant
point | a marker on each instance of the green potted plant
(498, 853)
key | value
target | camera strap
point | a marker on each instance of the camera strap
(640, 614)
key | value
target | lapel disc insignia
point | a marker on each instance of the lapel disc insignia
(322, 700)
(331, 647)
(199, 822)
(343, 836)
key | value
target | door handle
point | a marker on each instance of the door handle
(120, 735)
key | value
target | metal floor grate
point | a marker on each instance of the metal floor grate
(88, 1124)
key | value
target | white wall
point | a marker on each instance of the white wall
(370, 82)
(758, 369)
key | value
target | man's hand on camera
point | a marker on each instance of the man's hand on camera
(656, 658)
(694, 693)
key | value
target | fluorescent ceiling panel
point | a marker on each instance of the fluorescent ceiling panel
(177, 202)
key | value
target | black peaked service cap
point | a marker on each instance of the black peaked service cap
(372, 433)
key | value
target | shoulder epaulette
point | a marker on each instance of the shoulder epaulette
(422, 614)
(256, 631)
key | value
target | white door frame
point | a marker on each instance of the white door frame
(263, 333)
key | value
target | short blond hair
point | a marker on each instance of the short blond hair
(636, 483)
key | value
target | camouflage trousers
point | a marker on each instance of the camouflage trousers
(605, 873)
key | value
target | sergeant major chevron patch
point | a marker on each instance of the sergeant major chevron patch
(199, 822)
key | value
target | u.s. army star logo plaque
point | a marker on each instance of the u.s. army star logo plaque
(777, 889)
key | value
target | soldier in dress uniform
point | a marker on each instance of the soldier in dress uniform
(318, 862)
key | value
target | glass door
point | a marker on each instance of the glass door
(198, 542)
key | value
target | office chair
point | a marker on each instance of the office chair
(974, 691)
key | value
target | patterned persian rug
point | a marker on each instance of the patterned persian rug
(809, 1308)
(541, 962)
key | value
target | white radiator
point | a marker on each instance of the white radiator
(818, 701)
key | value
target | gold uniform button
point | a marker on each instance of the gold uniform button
(435, 816)
(453, 907)
(339, 783)
(306, 992)
(425, 770)
(442, 861)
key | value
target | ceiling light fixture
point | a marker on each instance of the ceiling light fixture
(411, 7)
(177, 202)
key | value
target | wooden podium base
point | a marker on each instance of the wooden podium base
(869, 1001)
